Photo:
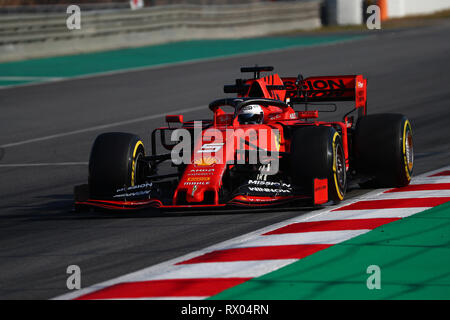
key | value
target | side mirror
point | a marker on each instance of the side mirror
(174, 118)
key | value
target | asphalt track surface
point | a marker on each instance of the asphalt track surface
(40, 235)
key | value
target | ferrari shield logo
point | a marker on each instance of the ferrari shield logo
(193, 190)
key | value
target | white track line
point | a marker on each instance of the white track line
(425, 180)
(101, 127)
(368, 214)
(412, 194)
(235, 269)
(315, 237)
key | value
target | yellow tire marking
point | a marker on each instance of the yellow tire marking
(139, 143)
(407, 124)
(340, 195)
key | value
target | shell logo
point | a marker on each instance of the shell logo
(208, 161)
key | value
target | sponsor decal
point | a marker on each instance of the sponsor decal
(319, 88)
(269, 183)
(132, 194)
(196, 172)
(269, 190)
(198, 179)
(200, 174)
(275, 117)
(139, 186)
(318, 84)
(203, 162)
(196, 183)
(320, 188)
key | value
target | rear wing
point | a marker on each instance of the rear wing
(328, 89)
(299, 90)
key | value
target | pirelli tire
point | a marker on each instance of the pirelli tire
(383, 149)
(317, 152)
(114, 163)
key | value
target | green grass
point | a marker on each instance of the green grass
(413, 255)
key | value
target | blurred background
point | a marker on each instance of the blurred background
(36, 28)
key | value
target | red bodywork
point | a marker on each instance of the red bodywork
(203, 176)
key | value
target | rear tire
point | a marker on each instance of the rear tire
(383, 149)
(113, 163)
(317, 152)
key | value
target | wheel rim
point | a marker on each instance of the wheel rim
(340, 168)
(409, 151)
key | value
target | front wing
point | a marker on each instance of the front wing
(243, 199)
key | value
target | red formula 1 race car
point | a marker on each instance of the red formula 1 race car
(258, 149)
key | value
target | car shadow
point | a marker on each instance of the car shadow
(61, 207)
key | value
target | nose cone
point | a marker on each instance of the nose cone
(194, 194)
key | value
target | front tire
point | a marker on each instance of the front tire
(114, 163)
(317, 152)
(383, 149)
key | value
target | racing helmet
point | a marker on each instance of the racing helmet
(251, 114)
